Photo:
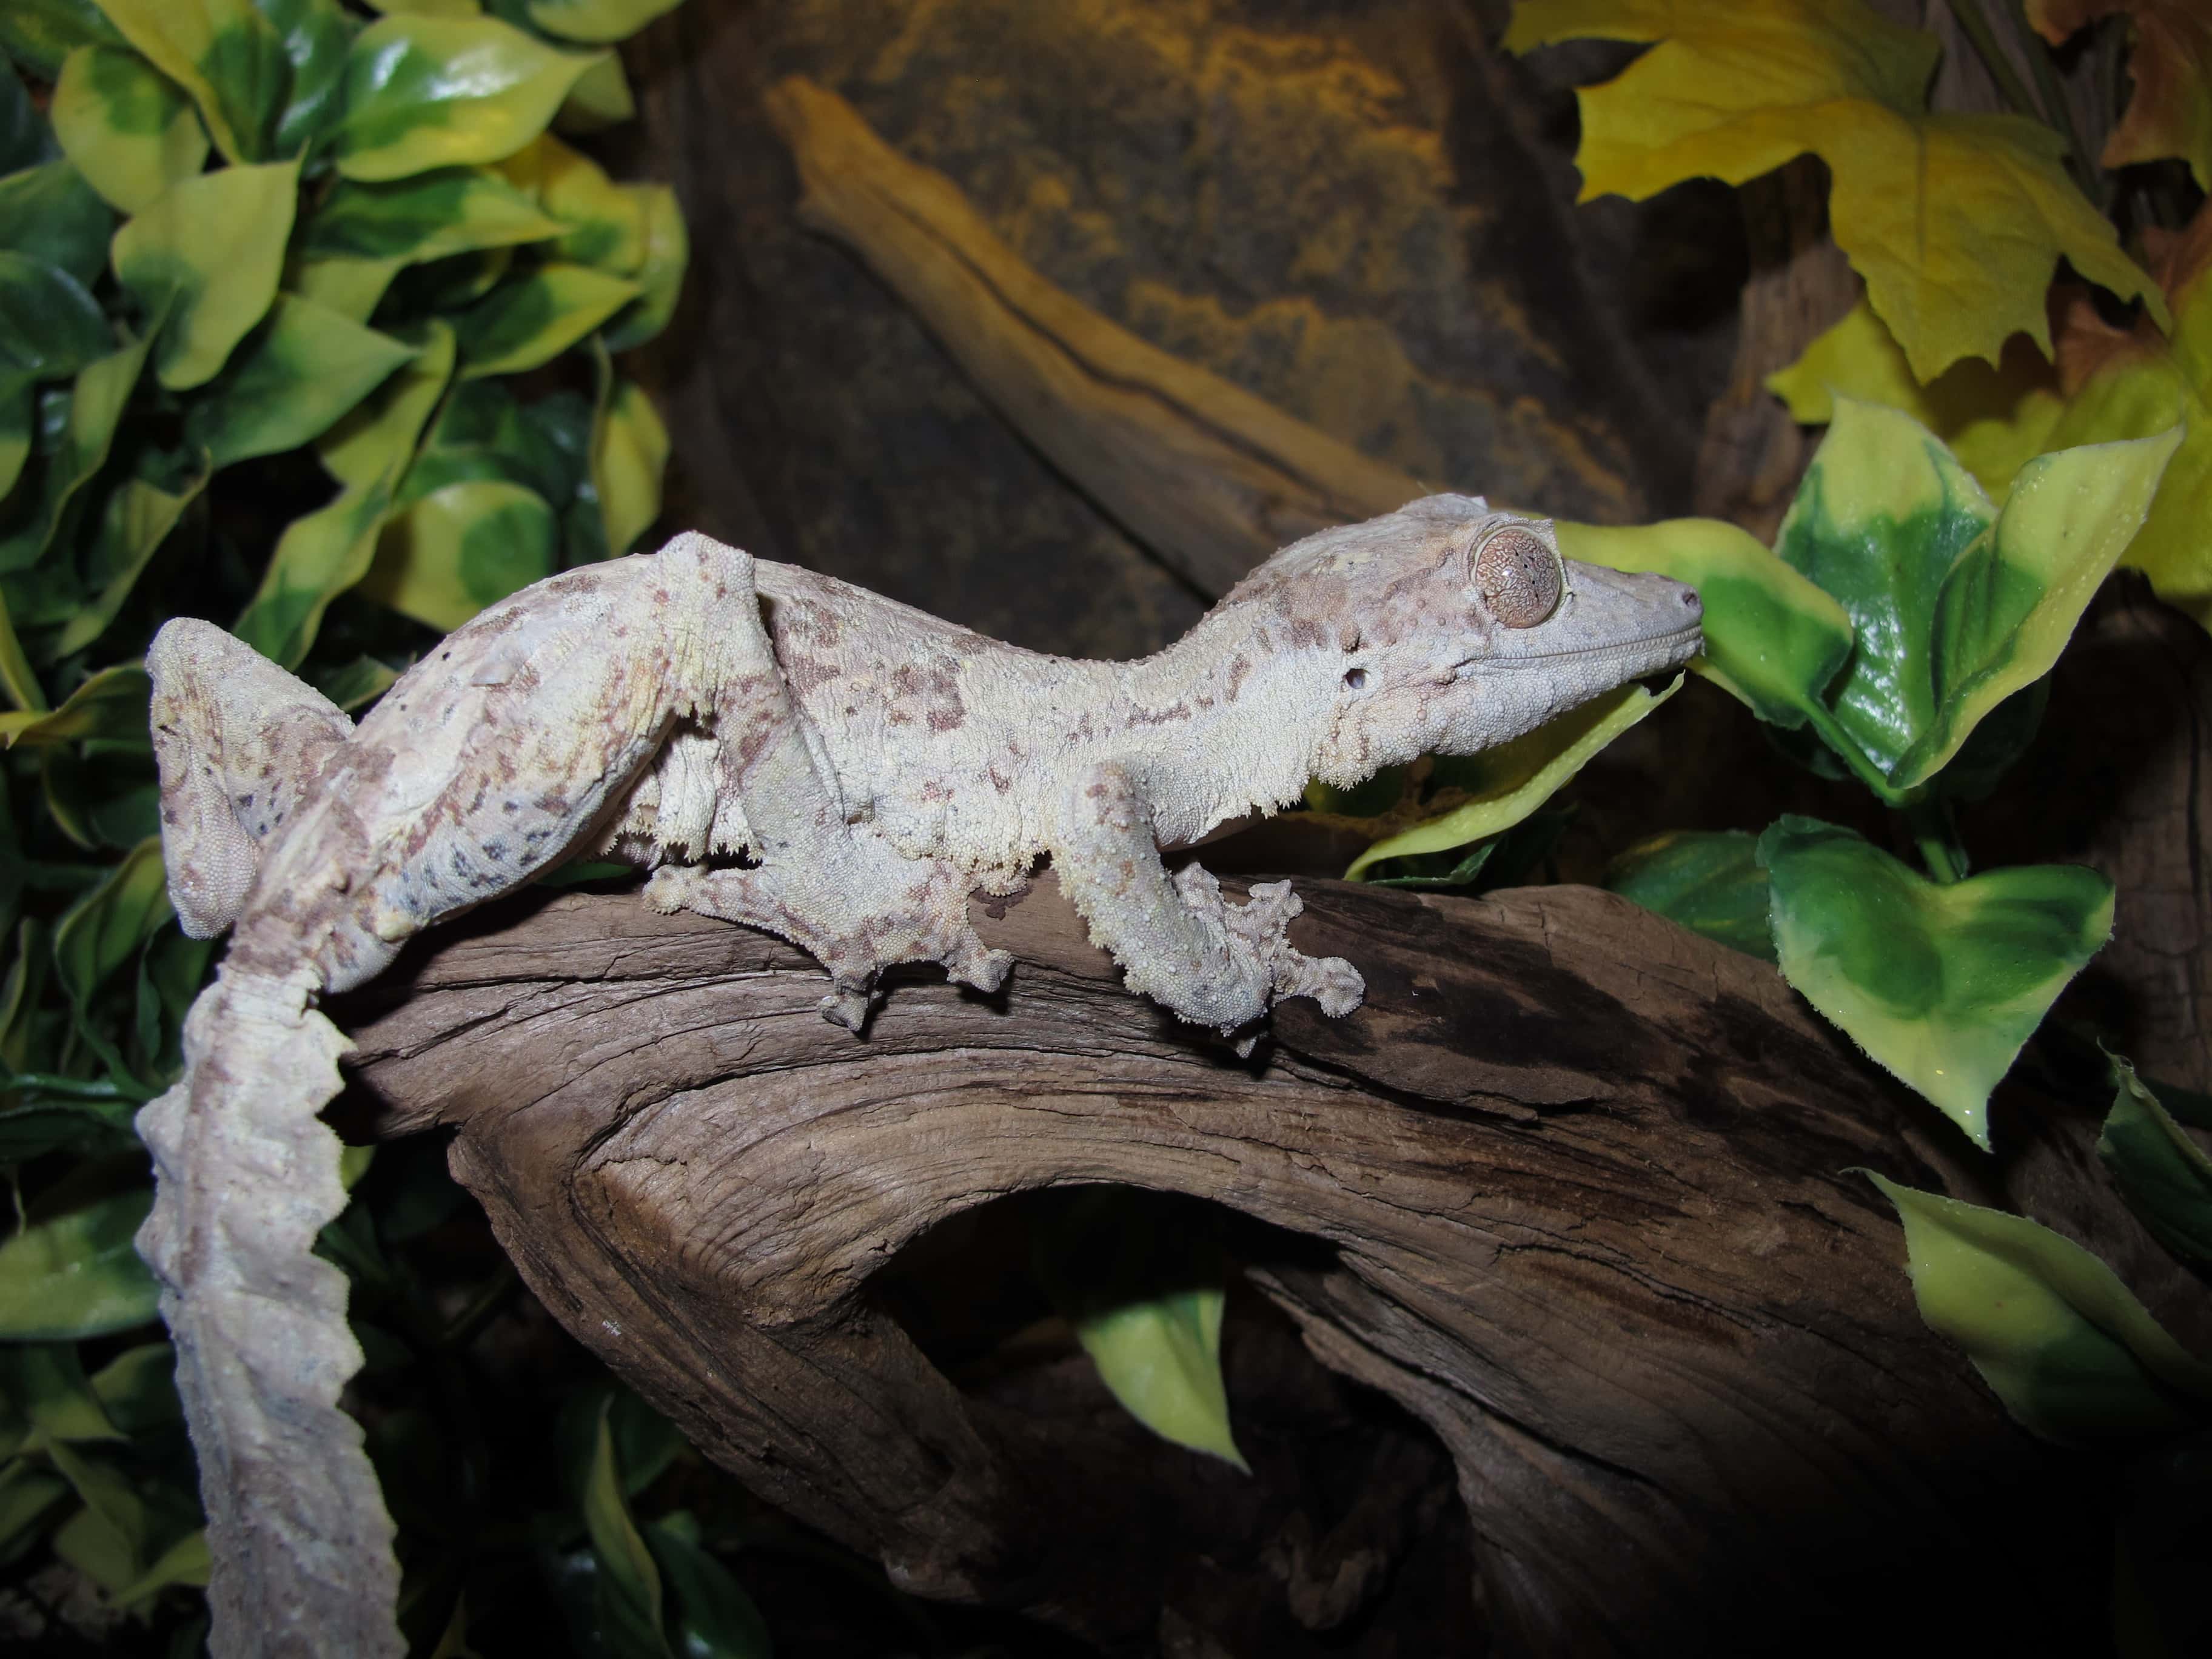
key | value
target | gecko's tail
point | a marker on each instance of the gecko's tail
(297, 1530)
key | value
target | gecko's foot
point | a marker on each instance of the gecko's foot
(672, 888)
(970, 962)
(847, 1005)
(1263, 921)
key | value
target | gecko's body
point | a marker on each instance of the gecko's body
(785, 750)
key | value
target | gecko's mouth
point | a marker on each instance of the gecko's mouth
(1661, 650)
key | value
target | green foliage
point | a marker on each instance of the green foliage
(263, 267)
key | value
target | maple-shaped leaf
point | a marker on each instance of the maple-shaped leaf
(1955, 221)
(2170, 61)
(2132, 383)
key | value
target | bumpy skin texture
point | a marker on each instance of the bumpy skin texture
(785, 751)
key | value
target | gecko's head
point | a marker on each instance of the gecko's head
(1447, 628)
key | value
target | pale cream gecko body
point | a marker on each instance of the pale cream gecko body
(787, 751)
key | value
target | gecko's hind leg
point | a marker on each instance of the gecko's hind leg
(857, 908)
(240, 745)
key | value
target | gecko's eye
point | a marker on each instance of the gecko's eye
(1355, 679)
(1518, 575)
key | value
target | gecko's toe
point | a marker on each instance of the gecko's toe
(847, 1006)
(1330, 981)
(984, 969)
(671, 885)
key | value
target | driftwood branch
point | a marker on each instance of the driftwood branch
(1572, 1188)
(1211, 478)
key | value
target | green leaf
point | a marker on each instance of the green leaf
(28, 1498)
(1146, 1297)
(111, 704)
(137, 1388)
(226, 55)
(445, 557)
(131, 129)
(50, 214)
(600, 99)
(714, 1618)
(1883, 513)
(2012, 599)
(50, 325)
(2073, 1355)
(532, 320)
(1773, 640)
(1511, 781)
(434, 92)
(326, 552)
(363, 680)
(73, 1275)
(185, 1562)
(1710, 881)
(352, 287)
(1940, 984)
(299, 372)
(17, 401)
(1956, 221)
(24, 139)
(43, 1388)
(2166, 1177)
(1995, 420)
(105, 929)
(316, 36)
(627, 1584)
(40, 34)
(597, 22)
(629, 453)
(428, 216)
(110, 1536)
(207, 256)
(660, 275)
(94, 407)
(134, 521)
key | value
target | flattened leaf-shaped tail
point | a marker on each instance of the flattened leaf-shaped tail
(247, 1177)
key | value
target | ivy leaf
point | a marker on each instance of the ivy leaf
(2138, 384)
(25, 141)
(1773, 640)
(443, 558)
(227, 54)
(94, 407)
(428, 216)
(535, 317)
(301, 369)
(2166, 1177)
(627, 1584)
(600, 99)
(1710, 881)
(427, 92)
(1940, 984)
(659, 274)
(629, 453)
(326, 552)
(316, 35)
(131, 129)
(2170, 61)
(74, 1274)
(2073, 1356)
(40, 34)
(50, 326)
(103, 930)
(1956, 221)
(111, 704)
(206, 257)
(714, 1617)
(1994, 420)
(1511, 781)
(135, 519)
(604, 222)
(49, 213)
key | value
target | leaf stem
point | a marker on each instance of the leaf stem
(1977, 30)
(1824, 723)
(1930, 822)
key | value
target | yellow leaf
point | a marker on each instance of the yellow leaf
(132, 133)
(1956, 221)
(2170, 61)
(630, 452)
(600, 99)
(210, 250)
(1995, 420)
(458, 549)
(224, 52)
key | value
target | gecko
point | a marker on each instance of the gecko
(780, 750)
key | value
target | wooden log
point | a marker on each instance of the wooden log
(1573, 1186)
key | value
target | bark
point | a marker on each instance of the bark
(1573, 1187)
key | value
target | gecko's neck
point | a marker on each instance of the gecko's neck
(1212, 723)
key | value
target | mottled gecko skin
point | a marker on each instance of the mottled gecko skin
(784, 750)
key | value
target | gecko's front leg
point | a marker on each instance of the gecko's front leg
(1178, 939)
